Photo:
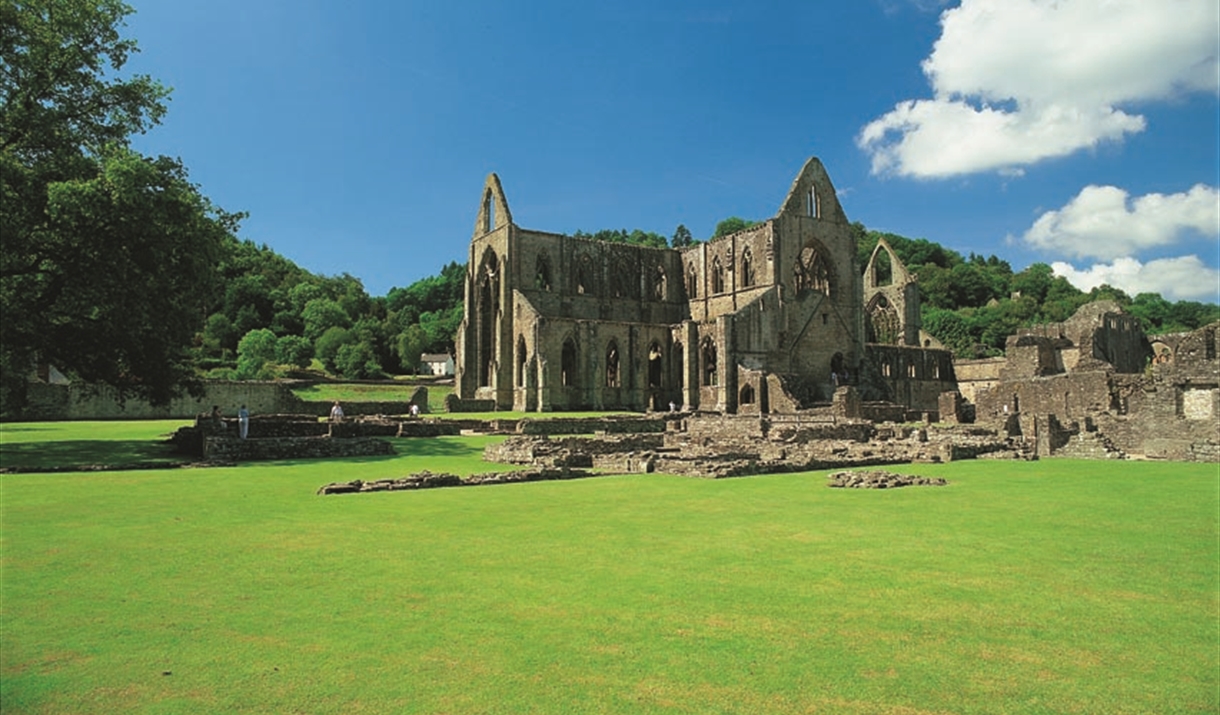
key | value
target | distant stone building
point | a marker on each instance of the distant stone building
(768, 319)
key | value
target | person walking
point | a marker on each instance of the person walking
(243, 422)
(336, 412)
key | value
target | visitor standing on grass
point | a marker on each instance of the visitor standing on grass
(243, 422)
(336, 412)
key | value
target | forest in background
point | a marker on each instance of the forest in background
(275, 317)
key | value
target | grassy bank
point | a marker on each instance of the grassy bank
(1054, 586)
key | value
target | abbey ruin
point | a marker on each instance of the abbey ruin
(779, 321)
(770, 319)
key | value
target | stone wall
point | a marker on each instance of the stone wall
(82, 402)
(232, 449)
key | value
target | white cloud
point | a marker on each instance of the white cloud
(1018, 81)
(1181, 278)
(1105, 222)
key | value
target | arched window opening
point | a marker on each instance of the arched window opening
(679, 373)
(746, 396)
(612, 371)
(520, 361)
(812, 272)
(585, 275)
(883, 268)
(709, 362)
(489, 306)
(692, 282)
(813, 205)
(489, 212)
(717, 276)
(624, 279)
(883, 324)
(567, 365)
(747, 268)
(542, 272)
(658, 284)
(654, 365)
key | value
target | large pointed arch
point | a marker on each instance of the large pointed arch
(813, 270)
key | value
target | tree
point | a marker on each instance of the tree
(411, 343)
(356, 361)
(254, 351)
(327, 346)
(322, 314)
(108, 256)
(293, 350)
(682, 237)
(732, 224)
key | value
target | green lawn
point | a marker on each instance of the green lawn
(1047, 587)
(352, 392)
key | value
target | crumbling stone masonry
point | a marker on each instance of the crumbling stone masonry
(1094, 386)
(768, 319)
(707, 445)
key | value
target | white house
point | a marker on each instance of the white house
(436, 364)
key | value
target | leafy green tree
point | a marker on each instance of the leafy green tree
(294, 350)
(682, 237)
(108, 256)
(219, 334)
(732, 224)
(322, 314)
(326, 347)
(411, 344)
(356, 361)
(254, 352)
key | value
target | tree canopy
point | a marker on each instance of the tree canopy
(108, 255)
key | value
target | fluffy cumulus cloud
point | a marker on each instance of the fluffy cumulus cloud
(1181, 278)
(1017, 81)
(1105, 222)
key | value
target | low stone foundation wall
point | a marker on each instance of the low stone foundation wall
(590, 425)
(880, 480)
(232, 449)
(453, 403)
(428, 480)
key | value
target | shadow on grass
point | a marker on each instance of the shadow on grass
(81, 452)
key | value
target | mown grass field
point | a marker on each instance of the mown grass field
(357, 392)
(1047, 587)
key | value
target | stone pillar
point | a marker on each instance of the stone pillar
(846, 403)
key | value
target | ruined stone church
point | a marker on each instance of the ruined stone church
(770, 319)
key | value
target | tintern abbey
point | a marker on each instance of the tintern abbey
(770, 319)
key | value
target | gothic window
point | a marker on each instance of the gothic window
(812, 271)
(747, 268)
(813, 205)
(658, 284)
(567, 365)
(489, 212)
(489, 306)
(542, 272)
(883, 269)
(520, 372)
(612, 371)
(692, 282)
(623, 280)
(746, 396)
(717, 276)
(883, 324)
(709, 362)
(585, 275)
(654, 365)
(680, 376)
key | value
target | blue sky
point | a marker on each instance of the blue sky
(1081, 133)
